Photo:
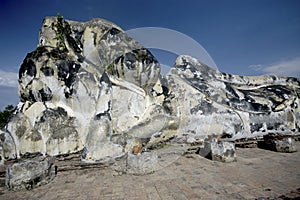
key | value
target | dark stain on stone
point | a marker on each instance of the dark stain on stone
(28, 67)
(40, 95)
(67, 71)
(47, 71)
(105, 114)
(73, 42)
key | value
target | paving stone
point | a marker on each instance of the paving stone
(152, 193)
(270, 174)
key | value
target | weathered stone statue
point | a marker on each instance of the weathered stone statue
(90, 88)
(87, 86)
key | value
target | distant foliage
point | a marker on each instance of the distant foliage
(5, 115)
(59, 28)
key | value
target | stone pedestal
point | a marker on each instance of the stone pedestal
(280, 143)
(218, 151)
(31, 173)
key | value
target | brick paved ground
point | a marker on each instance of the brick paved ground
(257, 173)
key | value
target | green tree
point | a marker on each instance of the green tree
(5, 115)
(60, 32)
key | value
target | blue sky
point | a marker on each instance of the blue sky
(244, 37)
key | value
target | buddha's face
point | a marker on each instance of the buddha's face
(43, 72)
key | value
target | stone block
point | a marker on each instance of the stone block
(142, 163)
(31, 173)
(222, 151)
(279, 143)
(286, 145)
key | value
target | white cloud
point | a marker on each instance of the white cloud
(8, 79)
(257, 67)
(290, 68)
